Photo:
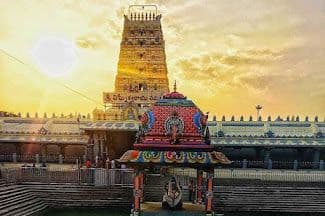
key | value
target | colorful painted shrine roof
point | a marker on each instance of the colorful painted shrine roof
(174, 95)
(180, 158)
(174, 123)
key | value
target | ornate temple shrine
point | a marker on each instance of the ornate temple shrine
(174, 130)
(173, 133)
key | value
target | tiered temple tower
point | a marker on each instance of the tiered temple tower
(142, 71)
(142, 61)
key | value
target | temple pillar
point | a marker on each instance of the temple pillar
(245, 164)
(209, 193)
(258, 153)
(321, 165)
(267, 154)
(96, 145)
(90, 152)
(37, 160)
(18, 148)
(60, 159)
(316, 158)
(100, 147)
(300, 154)
(14, 157)
(136, 194)
(43, 152)
(199, 182)
(141, 181)
(90, 147)
(62, 149)
(267, 157)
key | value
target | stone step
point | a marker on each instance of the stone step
(29, 210)
(19, 207)
(76, 196)
(35, 211)
(276, 199)
(288, 208)
(13, 192)
(10, 187)
(56, 195)
(87, 203)
(13, 200)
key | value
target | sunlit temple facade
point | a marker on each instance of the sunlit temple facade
(140, 81)
(142, 70)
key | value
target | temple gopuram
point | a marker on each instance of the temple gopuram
(142, 71)
(140, 83)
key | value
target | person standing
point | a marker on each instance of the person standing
(113, 164)
(107, 163)
(191, 191)
(88, 163)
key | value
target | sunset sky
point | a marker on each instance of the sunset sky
(227, 56)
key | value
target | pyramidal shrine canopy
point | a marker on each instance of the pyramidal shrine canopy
(174, 131)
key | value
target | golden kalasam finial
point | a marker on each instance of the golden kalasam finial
(175, 87)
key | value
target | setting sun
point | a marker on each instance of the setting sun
(54, 56)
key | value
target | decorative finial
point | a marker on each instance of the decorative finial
(175, 87)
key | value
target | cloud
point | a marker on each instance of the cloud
(91, 41)
(223, 67)
(260, 82)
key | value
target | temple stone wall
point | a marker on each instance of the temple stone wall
(30, 149)
(53, 150)
(121, 141)
(7, 148)
(74, 151)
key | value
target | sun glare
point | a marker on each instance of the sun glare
(55, 56)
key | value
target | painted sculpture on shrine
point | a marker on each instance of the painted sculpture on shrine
(174, 132)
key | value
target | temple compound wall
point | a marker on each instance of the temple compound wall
(68, 137)
(239, 140)
(43, 136)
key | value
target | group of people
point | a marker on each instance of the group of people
(101, 163)
(42, 165)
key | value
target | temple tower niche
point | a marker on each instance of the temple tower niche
(142, 71)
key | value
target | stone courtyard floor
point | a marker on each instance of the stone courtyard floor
(156, 207)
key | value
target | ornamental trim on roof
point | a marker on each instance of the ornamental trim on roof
(174, 157)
